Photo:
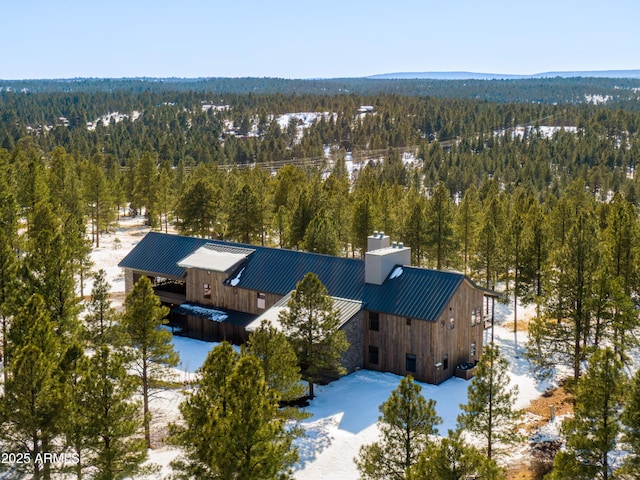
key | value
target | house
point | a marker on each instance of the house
(397, 318)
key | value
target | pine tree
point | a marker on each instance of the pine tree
(278, 361)
(9, 262)
(101, 318)
(489, 410)
(631, 429)
(303, 213)
(536, 253)
(113, 444)
(197, 209)
(100, 200)
(211, 390)
(621, 251)
(151, 344)
(145, 192)
(439, 227)
(33, 404)
(363, 221)
(50, 264)
(572, 292)
(466, 224)
(489, 247)
(408, 421)
(235, 405)
(31, 177)
(592, 432)
(514, 251)
(254, 443)
(244, 216)
(311, 324)
(452, 458)
(259, 180)
(336, 189)
(414, 229)
(165, 195)
(321, 236)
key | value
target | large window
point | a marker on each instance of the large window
(411, 362)
(374, 321)
(373, 355)
(206, 290)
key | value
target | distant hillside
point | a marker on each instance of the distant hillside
(550, 88)
(500, 76)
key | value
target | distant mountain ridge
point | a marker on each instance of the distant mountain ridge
(501, 76)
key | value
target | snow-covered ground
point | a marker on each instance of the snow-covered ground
(344, 413)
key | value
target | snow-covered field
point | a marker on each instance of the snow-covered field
(345, 412)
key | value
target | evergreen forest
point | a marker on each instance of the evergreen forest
(530, 187)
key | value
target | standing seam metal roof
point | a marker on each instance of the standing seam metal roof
(416, 293)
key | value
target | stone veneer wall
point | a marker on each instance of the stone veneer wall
(352, 359)
(128, 280)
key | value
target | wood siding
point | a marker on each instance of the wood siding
(224, 296)
(429, 341)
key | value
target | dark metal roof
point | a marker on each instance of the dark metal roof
(277, 270)
(417, 292)
(160, 253)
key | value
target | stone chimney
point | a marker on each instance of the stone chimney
(379, 262)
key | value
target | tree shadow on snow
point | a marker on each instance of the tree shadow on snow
(317, 438)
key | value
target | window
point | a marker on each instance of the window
(408, 322)
(445, 362)
(411, 362)
(476, 316)
(452, 323)
(373, 355)
(206, 290)
(261, 300)
(374, 321)
(473, 350)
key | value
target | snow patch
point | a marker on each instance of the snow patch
(234, 282)
(201, 312)
(396, 273)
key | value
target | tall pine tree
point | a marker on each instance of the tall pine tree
(235, 405)
(406, 426)
(451, 458)
(150, 343)
(312, 325)
(592, 432)
(489, 411)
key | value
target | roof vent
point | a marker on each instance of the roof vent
(375, 233)
(394, 244)
(401, 245)
(381, 234)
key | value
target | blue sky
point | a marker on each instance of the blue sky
(313, 39)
